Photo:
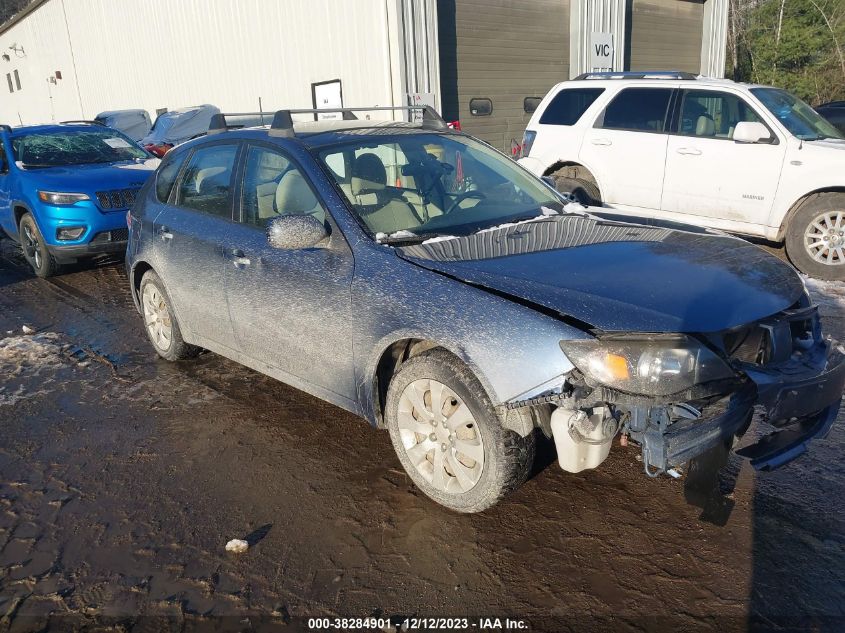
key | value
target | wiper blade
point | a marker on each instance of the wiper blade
(405, 238)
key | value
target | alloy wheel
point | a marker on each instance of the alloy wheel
(440, 436)
(157, 317)
(32, 246)
(824, 238)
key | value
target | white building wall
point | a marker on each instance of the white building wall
(595, 16)
(163, 54)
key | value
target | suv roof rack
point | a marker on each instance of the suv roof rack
(282, 123)
(84, 122)
(638, 74)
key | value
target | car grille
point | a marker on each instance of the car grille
(116, 198)
(117, 235)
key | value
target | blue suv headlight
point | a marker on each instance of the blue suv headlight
(56, 197)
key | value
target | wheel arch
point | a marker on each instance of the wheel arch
(574, 169)
(137, 272)
(793, 209)
(390, 359)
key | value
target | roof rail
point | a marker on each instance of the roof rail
(218, 121)
(638, 74)
(282, 122)
(84, 122)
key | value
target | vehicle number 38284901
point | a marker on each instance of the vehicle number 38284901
(414, 624)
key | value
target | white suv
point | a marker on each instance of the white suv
(747, 159)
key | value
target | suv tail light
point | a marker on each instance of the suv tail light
(527, 141)
(158, 149)
(454, 125)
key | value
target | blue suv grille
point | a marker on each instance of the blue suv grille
(116, 198)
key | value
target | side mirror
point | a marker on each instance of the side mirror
(291, 232)
(751, 132)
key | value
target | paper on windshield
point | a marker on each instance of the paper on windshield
(116, 143)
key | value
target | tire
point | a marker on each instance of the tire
(35, 249)
(487, 474)
(160, 321)
(584, 191)
(815, 237)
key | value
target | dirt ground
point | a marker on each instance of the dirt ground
(122, 477)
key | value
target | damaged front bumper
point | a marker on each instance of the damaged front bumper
(797, 387)
(800, 398)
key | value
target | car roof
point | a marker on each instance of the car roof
(650, 79)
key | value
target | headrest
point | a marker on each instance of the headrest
(705, 126)
(294, 196)
(368, 174)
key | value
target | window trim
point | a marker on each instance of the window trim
(174, 192)
(469, 106)
(295, 163)
(598, 123)
(678, 109)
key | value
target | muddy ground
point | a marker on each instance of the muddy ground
(122, 477)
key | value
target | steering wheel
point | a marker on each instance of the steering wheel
(464, 196)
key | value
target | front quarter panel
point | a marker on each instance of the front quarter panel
(511, 348)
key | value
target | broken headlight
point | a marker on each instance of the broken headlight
(648, 364)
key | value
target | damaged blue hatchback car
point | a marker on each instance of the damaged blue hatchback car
(413, 275)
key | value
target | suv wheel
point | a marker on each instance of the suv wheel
(35, 249)
(582, 190)
(448, 438)
(815, 237)
(160, 321)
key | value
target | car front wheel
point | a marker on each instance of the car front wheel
(448, 437)
(160, 321)
(815, 237)
(35, 249)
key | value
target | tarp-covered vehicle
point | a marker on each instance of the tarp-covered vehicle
(415, 276)
(133, 123)
(177, 126)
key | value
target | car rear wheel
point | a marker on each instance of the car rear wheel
(815, 237)
(582, 190)
(35, 249)
(448, 438)
(160, 321)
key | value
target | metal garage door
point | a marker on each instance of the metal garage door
(502, 51)
(666, 35)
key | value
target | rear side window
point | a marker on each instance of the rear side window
(208, 180)
(637, 109)
(166, 176)
(569, 105)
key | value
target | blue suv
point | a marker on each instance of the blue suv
(65, 190)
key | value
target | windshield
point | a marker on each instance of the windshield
(434, 184)
(74, 147)
(799, 118)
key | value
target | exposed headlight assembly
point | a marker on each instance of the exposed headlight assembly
(647, 364)
(57, 197)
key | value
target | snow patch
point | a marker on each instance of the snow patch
(829, 295)
(18, 353)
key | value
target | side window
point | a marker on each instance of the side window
(166, 176)
(207, 181)
(4, 166)
(569, 105)
(637, 109)
(273, 186)
(711, 114)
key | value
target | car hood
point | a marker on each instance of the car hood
(90, 178)
(617, 276)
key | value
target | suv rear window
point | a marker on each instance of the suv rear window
(568, 106)
(637, 109)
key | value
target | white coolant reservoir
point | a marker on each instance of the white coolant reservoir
(573, 453)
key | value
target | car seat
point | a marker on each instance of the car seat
(382, 212)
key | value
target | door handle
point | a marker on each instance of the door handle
(601, 141)
(689, 151)
(239, 259)
(164, 233)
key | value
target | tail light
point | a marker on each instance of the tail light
(527, 141)
(129, 220)
(454, 125)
